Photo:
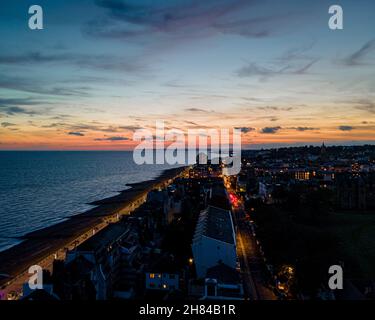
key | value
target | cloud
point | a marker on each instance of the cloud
(7, 124)
(54, 125)
(270, 130)
(93, 127)
(366, 105)
(127, 20)
(16, 110)
(35, 85)
(256, 27)
(196, 110)
(104, 62)
(10, 102)
(192, 123)
(357, 58)
(304, 128)
(345, 128)
(305, 68)
(24, 106)
(254, 69)
(273, 108)
(297, 53)
(114, 138)
(246, 129)
(130, 127)
(184, 20)
(79, 134)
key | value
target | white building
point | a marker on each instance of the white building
(214, 240)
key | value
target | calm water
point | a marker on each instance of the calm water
(38, 189)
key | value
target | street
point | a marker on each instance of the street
(250, 258)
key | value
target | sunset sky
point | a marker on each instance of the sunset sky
(101, 69)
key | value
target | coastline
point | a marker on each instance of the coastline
(41, 244)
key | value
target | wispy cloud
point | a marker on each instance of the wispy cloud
(7, 124)
(186, 20)
(358, 57)
(129, 127)
(297, 53)
(165, 17)
(13, 106)
(104, 62)
(304, 128)
(274, 108)
(94, 127)
(35, 85)
(114, 138)
(366, 105)
(254, 69)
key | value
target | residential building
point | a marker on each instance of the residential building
(214, 240)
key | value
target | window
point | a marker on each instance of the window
(152, 275)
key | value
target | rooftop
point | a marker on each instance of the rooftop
(215, 223)
(105, 237)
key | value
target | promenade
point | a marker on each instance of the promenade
(41, 247)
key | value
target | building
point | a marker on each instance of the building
(169, 202)
(223, 283)
(214, 240)
(46, 293)
(241, 185)
(218, 196)
(96, 260)
(162, 275)
(302, 175)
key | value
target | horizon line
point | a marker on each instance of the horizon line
(259, 147)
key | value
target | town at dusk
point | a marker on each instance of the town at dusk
(212, 153)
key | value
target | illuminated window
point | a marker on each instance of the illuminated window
(152, 275)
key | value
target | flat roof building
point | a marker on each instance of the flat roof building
(214, 240)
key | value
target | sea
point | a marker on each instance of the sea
(42, 188)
